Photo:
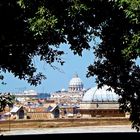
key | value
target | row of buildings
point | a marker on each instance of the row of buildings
(76, 102)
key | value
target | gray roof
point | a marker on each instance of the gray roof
(102, 95)
(15, 109)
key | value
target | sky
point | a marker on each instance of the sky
(56, 79)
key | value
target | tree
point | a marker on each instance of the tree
(6, 99)
(115, 63)
(37, 28)
(18, 45)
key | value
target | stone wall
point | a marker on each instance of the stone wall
(99, 105)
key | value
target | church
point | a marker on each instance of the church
(100, 102)
(69, 100)
(94, 102)
(73, 95)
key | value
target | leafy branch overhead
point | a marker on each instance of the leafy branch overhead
(38, 28)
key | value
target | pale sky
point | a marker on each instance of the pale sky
(56, 79)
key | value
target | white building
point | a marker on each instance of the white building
(69, 100)
(73, 95)
(75, 84)
(27, 93)
(100, 102)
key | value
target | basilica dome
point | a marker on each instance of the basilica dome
(101, 95)
(75, 84)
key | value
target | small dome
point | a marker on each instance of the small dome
(101, 95)
(63, 90)
(75, 83)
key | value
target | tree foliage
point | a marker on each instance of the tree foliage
(6, 99)
(18, 46)
(37, 28)
(116, 56)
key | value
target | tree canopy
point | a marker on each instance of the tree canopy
(38, 28)
(6, 99)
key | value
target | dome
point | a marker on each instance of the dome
(63, 90)
(75, 83)
(101, 95)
